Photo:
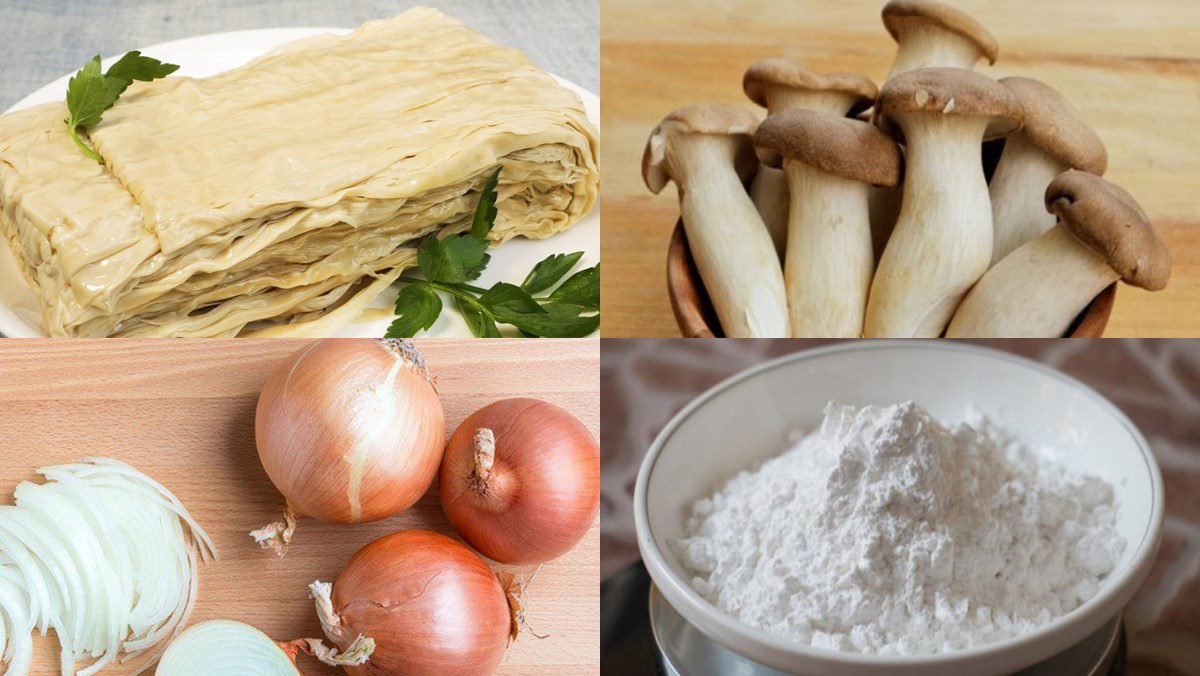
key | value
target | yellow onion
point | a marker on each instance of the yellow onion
(416, 603)
(520, 480)
(349, 431)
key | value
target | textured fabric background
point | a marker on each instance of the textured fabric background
(41, 40)
(1156, 382)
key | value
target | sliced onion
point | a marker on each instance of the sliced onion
(104, 556)
(16, 622)
(224, 647)
(45, 578)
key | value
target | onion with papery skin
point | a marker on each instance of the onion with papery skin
(226, 647)
(349, 431)
(428, 603)
(520, 480)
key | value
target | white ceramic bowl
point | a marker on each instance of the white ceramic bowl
(746, 419)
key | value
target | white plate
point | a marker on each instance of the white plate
(747, 418)
(20, 313)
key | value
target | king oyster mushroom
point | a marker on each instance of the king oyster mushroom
(928, 34)
(706, 149)
(830, 161)
(1054, 138)
(942, 243)
(932, 34)
(1102, 235)
(780, 84)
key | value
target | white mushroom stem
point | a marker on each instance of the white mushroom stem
(1035, 291)
(943, 237)
(1018, 192)
(769, 188)
(829, 258)
(783, 99)
(769, 192)
(919, 46)
(923, 45)
(727, 238)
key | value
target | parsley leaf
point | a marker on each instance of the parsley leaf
(581, 288)
(557, 320)
(417, 308)
(134, 66)
(505, 299)
(482, 324)
(551, 269)
(90, 92)
(459, 258)
(448, 264)
(513, 305)
(485, 209)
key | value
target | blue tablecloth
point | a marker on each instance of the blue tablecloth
(41, 40)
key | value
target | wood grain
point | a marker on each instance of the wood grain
(1132, 69)
(183, 412)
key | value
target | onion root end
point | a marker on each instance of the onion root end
(277, 536)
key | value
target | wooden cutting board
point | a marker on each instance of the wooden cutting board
(183, 412)
(1132, 68)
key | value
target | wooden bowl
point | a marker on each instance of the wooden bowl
(696, 318)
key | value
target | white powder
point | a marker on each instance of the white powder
(886, 531)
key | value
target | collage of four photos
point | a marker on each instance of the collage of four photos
(307, 365)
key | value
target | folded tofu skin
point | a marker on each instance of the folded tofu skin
(281, 197)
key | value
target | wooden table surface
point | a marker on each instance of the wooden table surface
(1132, 68)
(183, 412)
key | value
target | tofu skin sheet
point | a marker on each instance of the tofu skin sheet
(283, 195)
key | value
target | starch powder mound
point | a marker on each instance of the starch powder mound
(886, 531)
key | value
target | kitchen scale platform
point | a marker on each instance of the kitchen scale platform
(640, 633)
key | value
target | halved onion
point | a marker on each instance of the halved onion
(103, 555)
(225, 647)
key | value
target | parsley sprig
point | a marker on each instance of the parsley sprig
(536, 307)
(91, 92)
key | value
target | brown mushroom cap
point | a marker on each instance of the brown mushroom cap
(944, 16)
(787, 71)
(702, 118)
(1110, 222)
(841, 146)
(950, 91)
(1055, 126)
